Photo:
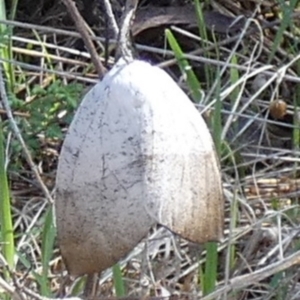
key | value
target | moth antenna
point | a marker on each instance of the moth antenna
(124, 46)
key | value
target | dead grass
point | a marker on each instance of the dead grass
(260, 171)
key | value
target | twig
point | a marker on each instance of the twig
(81, 27)
(16, 113)
(124, 48)
(9, 290)
(111, 18)
(36, 296)
(18, 134)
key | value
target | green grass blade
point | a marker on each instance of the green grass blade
(118, 281)
(211, 264)
(234, 77)
(287, 11)
(13, 9)
(208, 70)
(185, 67)
(201, 21)
(48, 237)
(7, 234)
(234, 211)
(217, 118)
(6, 48)
(296, 100)
(78, 286)
(45, 52)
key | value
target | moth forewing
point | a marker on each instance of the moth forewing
(184, 190)
(100, 179)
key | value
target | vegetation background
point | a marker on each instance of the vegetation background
(240, 67)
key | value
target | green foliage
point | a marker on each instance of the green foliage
(118, 281)
(6, 44)
(6, 222)
(296, 100)
(6, 232)
(185, 67)
(287, 8)
(234, 78)
(209, 74)
(209, 276)
(279, 286)
(48, 238)
(50, 111)
(49, 104)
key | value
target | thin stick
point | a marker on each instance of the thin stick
(9, 290)
(81, 27)
(124, 48)
(16, 113)
(18, 134)
(111, 18)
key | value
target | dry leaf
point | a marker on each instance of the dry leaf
(152, 16)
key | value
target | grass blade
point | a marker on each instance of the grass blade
(49, 234)
(7, 234)
(234, 77)
(285, 23)
(118, 281)
(209, 76)
(211, 264)
(209, 276)
(6, 47)
(185, 67)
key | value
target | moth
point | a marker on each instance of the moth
(137, 153)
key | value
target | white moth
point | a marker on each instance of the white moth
(137, 153)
